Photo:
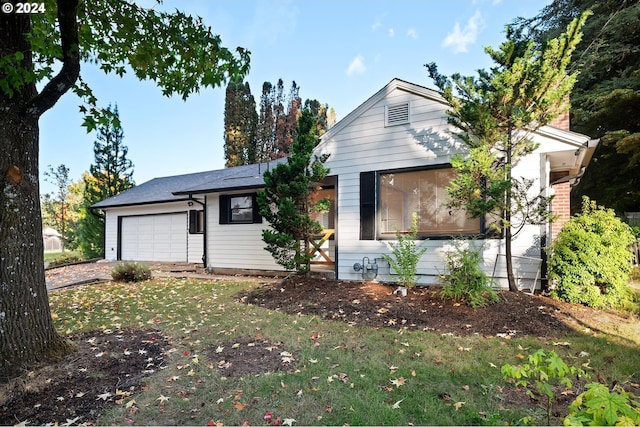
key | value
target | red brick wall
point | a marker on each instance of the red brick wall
(562, 121)
(561, 207)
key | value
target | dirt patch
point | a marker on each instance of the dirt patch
(105, 369)
(249, 356)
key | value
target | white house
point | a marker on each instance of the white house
(388, 158)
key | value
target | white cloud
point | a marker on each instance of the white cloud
(460, 39)
(357, 66)
(412, 33)
(376, 25)
(391, 32)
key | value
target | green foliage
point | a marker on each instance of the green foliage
(240, 121)
(590, 260)
(406, 254)
(544, 371)
(524, 90)
(603, 407)
(286, 201)
(131, 272)
(65, 258)
(464, 279)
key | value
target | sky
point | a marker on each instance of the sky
(338, 52)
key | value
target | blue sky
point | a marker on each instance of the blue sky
(338, 52)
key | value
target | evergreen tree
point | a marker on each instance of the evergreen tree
(110, 174)
(495, 115)
(605, 102)
(277, 121)
(240, 121)
(40, 56)
(325, 117)
(286, 201)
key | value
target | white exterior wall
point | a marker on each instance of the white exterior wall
(195, 242)
(237, 246)
(366, 144)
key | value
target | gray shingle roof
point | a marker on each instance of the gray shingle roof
(179, 187)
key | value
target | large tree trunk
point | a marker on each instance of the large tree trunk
(27, 333)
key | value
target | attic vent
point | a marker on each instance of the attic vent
(397, 114)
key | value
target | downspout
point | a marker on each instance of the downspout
(204, 226)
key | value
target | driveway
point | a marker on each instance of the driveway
(97, 272)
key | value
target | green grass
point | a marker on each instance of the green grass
(199, 315)
(62, 257)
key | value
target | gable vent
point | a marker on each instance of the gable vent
(397, 114)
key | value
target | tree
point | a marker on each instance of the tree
(495, 115)
(277, 121)
(110, 174)
(286, 201)
(325, 117)
(60, 177)
(45, 51)
(605, 102)
(240, 121)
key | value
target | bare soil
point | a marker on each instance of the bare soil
(81, 386)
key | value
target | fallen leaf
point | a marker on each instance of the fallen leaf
(104, 396)
(458, 405)
(240, 406)
(288, 422)
(397, 404)
(163, 399)
(398, 382)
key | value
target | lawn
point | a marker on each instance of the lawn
(226, 362)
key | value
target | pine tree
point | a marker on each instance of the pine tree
(240, 121)
(60, 177)
(110, 174)
(605, 102)
(495, 115)
(286, 201)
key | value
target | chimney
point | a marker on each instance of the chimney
(561, 122)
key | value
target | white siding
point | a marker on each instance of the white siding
(365, 144)
(235, 246)
(194, 242)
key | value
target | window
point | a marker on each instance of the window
(239, 209)
(400, 194)
(196, 221)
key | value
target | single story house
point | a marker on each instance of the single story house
(389, 157)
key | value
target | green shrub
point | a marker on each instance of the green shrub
(599, 406)
(131, 272)
(464, 280)
(405, 255)
(590, 260)
(65, 258)
(544, 371)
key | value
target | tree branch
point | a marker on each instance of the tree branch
(66, 78)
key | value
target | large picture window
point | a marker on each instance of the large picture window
(423, 192)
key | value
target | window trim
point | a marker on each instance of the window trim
(225, 209)
(378, 235)
(196, 221)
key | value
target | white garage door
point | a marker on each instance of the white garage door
(154, 238)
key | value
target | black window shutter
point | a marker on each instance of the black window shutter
(224, 209)
(367, 206)
(193, 221)
(257, 218)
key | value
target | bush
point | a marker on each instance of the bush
(405, 255)
(603, 407)
(590, 260)
(464, 280)
(65, 258)
(131, 272)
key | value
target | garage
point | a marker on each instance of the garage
(161, 237)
